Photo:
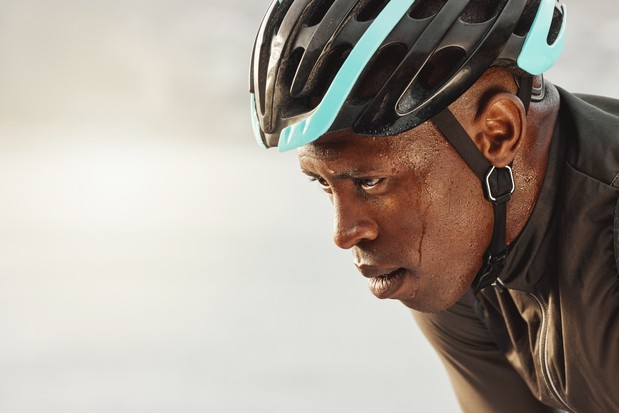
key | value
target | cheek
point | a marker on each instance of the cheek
(457, 221)
(457, 198)
(450, 250)
(466, 214)
(405, 224)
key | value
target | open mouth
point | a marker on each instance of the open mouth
(384, 286)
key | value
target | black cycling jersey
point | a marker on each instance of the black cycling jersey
(547, 336)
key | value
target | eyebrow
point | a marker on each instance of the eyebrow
(308, 173)
(348, 174)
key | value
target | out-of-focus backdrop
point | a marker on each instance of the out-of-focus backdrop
(153, 258)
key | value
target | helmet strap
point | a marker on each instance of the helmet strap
(498, 185)
(526, 92)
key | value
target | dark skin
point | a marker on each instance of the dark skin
(409, 208)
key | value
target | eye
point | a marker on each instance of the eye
(324, 185)
(369, 183)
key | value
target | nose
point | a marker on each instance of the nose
(352, 225)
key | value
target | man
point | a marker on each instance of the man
(467, 187)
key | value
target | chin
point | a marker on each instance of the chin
(432, 303)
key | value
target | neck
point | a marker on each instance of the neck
(531, 160)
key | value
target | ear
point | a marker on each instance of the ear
(500, 125)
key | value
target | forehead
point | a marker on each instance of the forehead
(334, 146)
(370, 150)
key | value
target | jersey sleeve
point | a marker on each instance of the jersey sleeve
(482, 378)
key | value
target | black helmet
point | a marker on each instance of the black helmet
(382, 67)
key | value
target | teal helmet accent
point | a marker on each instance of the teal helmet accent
(381, 67)
(537, 55)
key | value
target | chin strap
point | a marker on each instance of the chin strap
(498, 185)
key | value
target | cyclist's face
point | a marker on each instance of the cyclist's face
(410, 210)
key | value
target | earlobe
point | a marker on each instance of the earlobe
(500, 125)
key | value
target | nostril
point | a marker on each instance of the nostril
(342, 241)
(348, 237)
(353, 222)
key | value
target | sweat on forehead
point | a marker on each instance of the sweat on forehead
(333, 144)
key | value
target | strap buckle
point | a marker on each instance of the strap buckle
(489, 273)
(538, 93)
(504, 197)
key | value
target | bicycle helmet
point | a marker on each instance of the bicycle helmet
(381, 67)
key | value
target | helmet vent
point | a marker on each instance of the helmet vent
(555, 26)
(528, 15)
(317, 12)
(319, 80)
(441, 66)
(378, 72)
(371, 10)
(424, 9)
(481, 11)
(294, 60)
(526, 19)
(295, 104)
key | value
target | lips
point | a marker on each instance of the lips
(387, 285)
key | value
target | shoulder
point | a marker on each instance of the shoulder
(589, 127)
(587, 104)
(606, 104)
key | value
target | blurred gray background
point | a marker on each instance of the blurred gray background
(153, 258)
